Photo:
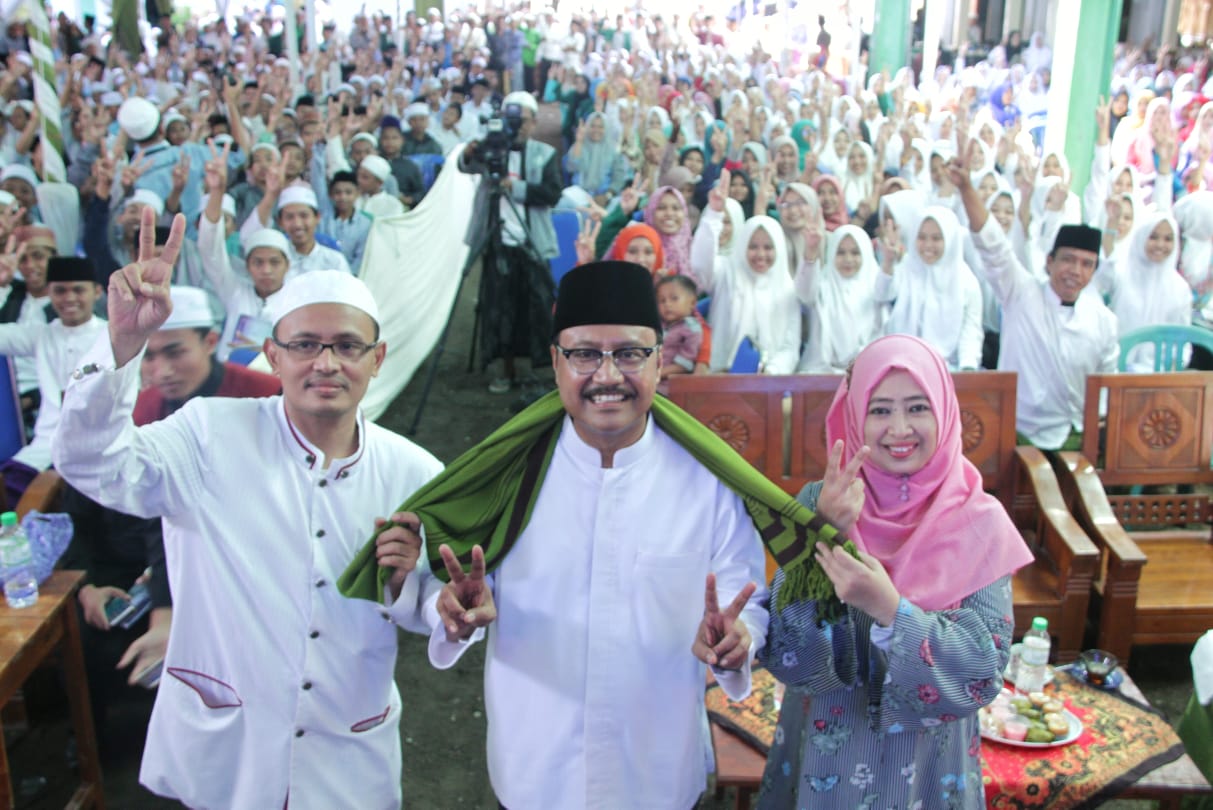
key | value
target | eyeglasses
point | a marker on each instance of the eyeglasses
(311, 349)
(797, 203)
(628, 360)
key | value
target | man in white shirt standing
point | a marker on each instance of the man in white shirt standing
(1054, 332)
(595, 667)
(276, 688)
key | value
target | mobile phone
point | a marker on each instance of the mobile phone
(149, 676)
(115, 609)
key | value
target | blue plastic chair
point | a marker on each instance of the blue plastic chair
(12, 426)
(430, 165)
(704, 305)
(568, 225)
(1169, 342)
(747, 358)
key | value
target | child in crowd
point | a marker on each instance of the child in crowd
(682, 332)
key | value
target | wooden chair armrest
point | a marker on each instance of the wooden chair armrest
(1096, 514)
(41, 494)
(1064, 539)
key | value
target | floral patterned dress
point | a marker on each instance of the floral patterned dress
(883, 717)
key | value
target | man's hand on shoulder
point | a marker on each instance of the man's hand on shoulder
(398, 547)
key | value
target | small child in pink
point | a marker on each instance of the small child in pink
(683, 332)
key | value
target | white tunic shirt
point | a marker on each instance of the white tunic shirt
(1052, 346)
(594, 699)
(274, 683)
(57, 354)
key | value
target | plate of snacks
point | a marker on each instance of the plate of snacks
(1028, 721)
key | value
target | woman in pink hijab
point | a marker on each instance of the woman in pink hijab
(884, 701)
(666, 211)
(832, 201)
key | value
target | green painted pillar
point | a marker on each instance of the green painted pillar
(1083, 53)
(890, 36)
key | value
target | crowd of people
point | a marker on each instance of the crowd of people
(740, 195)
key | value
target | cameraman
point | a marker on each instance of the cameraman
(516, 288)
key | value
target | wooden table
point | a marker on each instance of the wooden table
(740, 766)
(27, 638)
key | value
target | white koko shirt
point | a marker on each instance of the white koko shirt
(593, 696)
(274, 684)
(1053, 347)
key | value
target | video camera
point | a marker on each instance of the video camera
(502, 129)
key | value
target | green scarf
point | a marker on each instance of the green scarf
(485, 497)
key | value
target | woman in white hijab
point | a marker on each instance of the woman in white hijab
(833, 158)
(1194, 214)
(839, 295)
(754, 298)
(934, 294)
(857, 179)
(1147, 288)
(718, 233)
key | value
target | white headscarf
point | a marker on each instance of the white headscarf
(931, 297)
(748, 304)
(846, 316)
(1194, 213)
(857, 187)
(1149, 293)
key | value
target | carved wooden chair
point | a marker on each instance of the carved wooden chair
(777, 423)
(1155, 584)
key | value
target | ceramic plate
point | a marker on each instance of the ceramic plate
(1075, 730)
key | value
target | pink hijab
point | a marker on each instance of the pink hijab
(949, 538)
(677, 247)
(839, 217)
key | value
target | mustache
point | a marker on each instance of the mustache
(607, 390)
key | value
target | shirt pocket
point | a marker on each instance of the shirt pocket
(668, 600)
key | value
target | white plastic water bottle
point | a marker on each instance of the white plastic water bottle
(1034, 657)
(17, 562)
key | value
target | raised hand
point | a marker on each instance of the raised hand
(723, 640)
(8, 260)
(466, 602)
(629, 198)
(958, 174)
(398, 548)
(862, 583)
(132, 171)
(215, 170)
(139, 301)
(587, 239)
(842, 492)
(1103, 118)
(275, 177)
(181, 173)
(719, 191)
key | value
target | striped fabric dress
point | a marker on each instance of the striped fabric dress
(884, 718)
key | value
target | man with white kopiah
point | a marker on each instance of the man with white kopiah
(275, 687)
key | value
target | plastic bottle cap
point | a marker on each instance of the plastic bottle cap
(1040, 623)
(8, 519)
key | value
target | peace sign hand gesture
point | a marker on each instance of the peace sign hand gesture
(139, 301)
(215, 169)
(466, 602)
(842, 494)
(629, 198)
(587, 240)
(719, 191)
(723, 641)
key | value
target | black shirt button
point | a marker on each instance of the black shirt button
(320, 533)
(320, 583)
(314, 634)
(324, 482)
(298, 732)
(307, 685)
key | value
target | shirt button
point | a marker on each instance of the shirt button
(314, 634)
(298, 732)
(320, 533)
(307, 685)
(324, 482)
(320, 583)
